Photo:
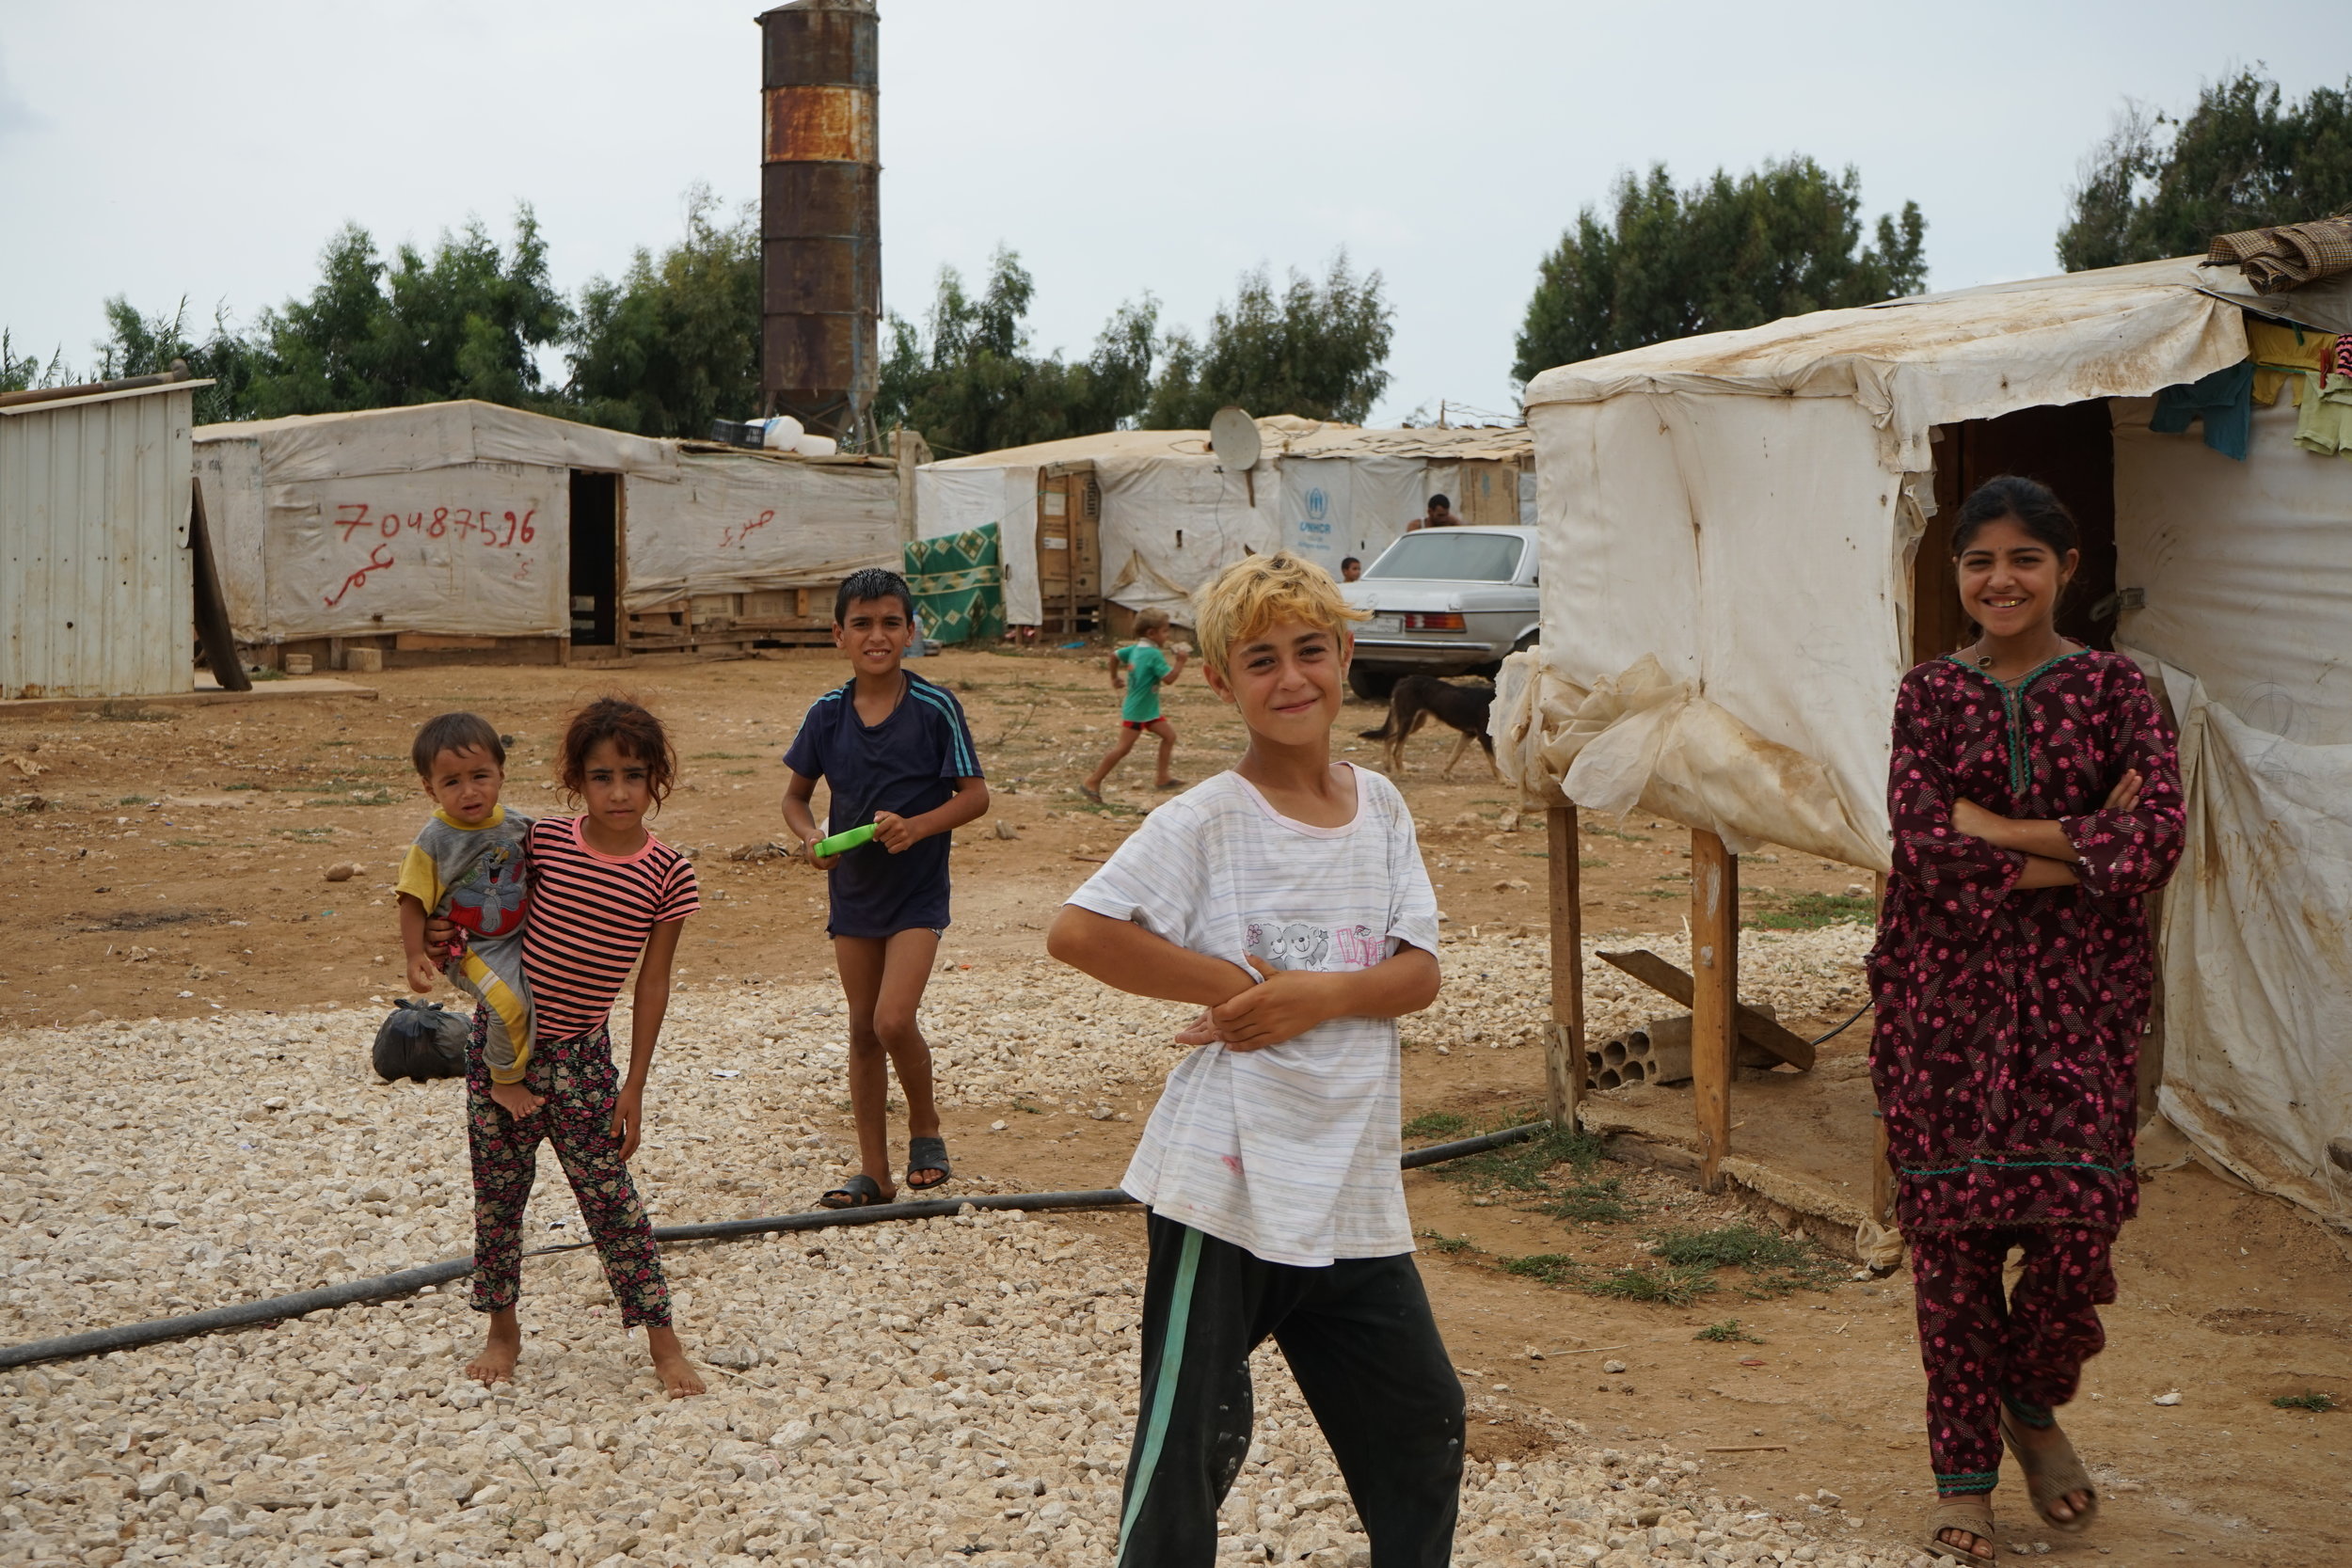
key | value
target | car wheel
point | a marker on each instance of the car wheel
(1373, 686)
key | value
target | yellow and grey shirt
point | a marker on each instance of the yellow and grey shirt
(477, 874)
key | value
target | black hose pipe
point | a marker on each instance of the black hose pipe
(1437, 1154)
(408, 1281)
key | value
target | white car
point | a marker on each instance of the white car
(1444, 601)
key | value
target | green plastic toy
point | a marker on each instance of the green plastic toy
(839, 843)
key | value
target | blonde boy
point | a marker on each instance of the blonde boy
(1287, 898)
(1140, 670)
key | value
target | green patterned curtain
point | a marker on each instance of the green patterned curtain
(959, 587)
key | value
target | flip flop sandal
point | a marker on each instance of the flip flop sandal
(859, 1192)
(1173, 784)
(927, 1154)
(1972, 1513)
(1093, 795)
(2050, 1474)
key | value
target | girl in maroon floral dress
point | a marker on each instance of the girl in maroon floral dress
(2035, 800)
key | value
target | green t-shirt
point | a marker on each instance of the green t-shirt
(1146, 668)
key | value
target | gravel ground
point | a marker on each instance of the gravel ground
(950, 1392)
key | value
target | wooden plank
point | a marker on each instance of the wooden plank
(1714, 995)
(429, 641)
(1882, 1168)
(1563, 1049)
(620, 565)
(1671, 983)
(213, 631)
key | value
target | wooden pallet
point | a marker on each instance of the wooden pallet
(786, 617)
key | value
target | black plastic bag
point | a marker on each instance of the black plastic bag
(420, 1040)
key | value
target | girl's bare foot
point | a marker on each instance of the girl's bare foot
(500, 1351)
(678, 1376)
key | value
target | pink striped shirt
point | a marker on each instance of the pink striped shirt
(591, 914)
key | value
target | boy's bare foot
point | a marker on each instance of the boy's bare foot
(500, 1351)
(678, 1377)
(518, 1101)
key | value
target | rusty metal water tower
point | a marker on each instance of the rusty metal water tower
(820, 217)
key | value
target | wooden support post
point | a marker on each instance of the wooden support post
(1882, 1170)
(910, 452)
(1715, 999)
(1563, 1043)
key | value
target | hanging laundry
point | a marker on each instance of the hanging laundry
(2339, 362)
(2223, 400)
(2325, 426)
(2282, 352)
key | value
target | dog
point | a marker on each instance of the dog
(1418, 699)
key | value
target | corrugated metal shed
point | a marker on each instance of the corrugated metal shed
(97, 585)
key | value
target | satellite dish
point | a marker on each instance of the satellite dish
(1233, 437)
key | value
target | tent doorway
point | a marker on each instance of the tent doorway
(595, 550)
(1070, 549)
(2070, 448)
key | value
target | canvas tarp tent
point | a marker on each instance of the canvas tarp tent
(1730, 526)
(744, 522)
(455, 519)
(449, 518)
(1172, 516)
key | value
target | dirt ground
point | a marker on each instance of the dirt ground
(174, 861)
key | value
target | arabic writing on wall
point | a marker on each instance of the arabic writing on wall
(736, 533)
(359, 577)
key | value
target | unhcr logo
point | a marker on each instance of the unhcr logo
(1318, 512)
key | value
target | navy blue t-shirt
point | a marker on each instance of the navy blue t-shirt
(907, 764)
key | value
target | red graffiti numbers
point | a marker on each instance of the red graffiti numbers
(738, 532)
(498, 530)
(379, 559)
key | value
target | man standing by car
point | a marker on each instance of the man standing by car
(1441, 515)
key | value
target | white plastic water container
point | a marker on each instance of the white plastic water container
(782, 431)
(816, 446)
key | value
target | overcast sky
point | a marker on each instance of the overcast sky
(209, 150)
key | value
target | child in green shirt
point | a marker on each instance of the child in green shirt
(1140, 670)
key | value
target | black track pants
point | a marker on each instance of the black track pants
(1359, 1339)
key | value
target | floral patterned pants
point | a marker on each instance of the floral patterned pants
(1981, 1348)
(577, 1080)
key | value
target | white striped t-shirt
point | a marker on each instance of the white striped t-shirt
(1289, 1152)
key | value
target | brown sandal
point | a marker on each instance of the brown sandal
(1972, 1513)
(2051, 1474)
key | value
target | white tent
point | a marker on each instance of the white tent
(468, 521)
(1173, 517)
(1730, 525)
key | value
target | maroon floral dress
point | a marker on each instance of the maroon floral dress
(2009, 1019)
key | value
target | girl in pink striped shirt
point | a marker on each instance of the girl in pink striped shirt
(604, 890)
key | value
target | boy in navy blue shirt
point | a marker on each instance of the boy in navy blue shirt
(894, 750)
